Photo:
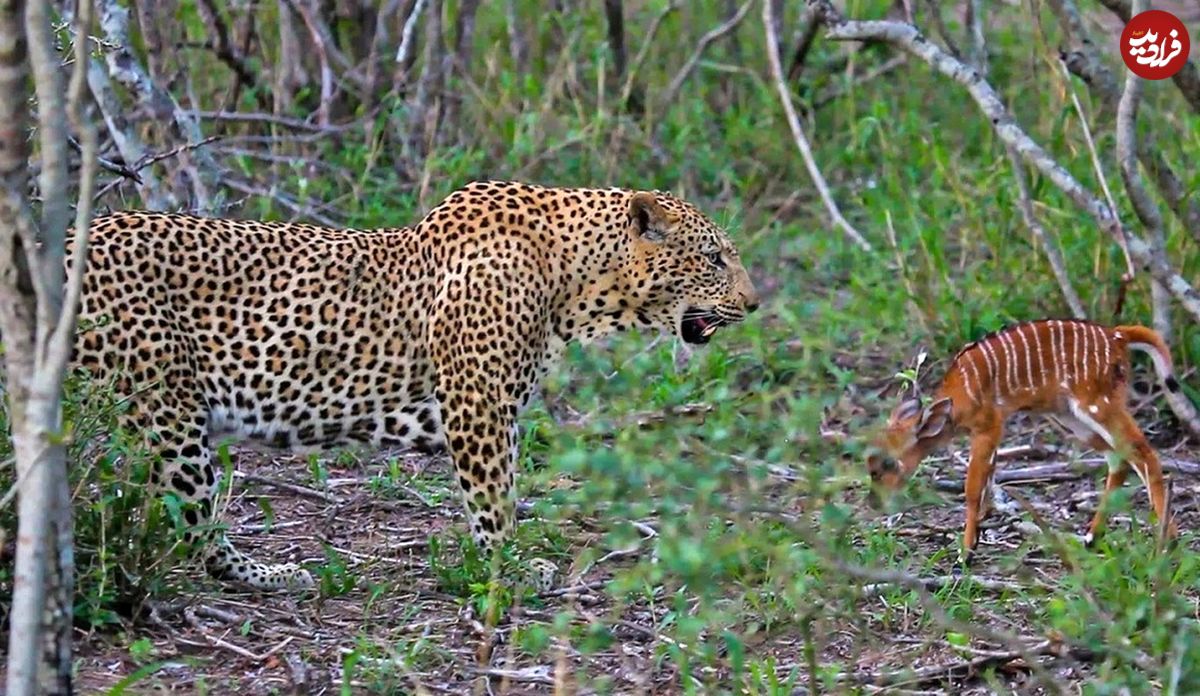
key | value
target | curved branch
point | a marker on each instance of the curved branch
(789, 110)
(716, 33)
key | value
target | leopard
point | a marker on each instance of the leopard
(432, 337)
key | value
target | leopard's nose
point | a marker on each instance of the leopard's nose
(752, 304)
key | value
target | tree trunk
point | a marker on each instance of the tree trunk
(37, 319)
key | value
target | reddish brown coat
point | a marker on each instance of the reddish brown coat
(1075, 371)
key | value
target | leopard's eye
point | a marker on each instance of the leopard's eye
(714, 257)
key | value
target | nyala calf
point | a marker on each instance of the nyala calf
(1076, 372)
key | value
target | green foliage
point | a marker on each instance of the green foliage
(126, 541)
(737, 592)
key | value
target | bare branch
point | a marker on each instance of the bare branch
(1075, 31)
(63, 333)
(644, 51)
(908, 38)
(1049, 246)
(1188, 77)
(714, 34)
(226, 50)
(1122, 239)
(405, 51)
(1147, 212)
(126, 139)
(318, 38)
(1085, 62)
(124, 67)
(804, 40)
(785, 97)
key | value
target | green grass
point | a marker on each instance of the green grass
(730, 574)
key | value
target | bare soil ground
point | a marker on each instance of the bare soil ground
(229, 642)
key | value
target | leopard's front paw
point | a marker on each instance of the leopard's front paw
(542, 574)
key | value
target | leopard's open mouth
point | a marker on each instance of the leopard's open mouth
(699, 325)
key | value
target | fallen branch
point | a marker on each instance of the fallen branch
(934, 584)
(907, 37)
(302, 491)
(1066, 471)
(967, 667)
(936, 612)
(785, 97)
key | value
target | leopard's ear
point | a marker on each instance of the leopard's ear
(649, 218)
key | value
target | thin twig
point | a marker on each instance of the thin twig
(714, 34)
(1122, 238)
(186, 147)
(789, 109)
(1049, 245)
(644, 51)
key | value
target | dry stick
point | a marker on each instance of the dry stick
(785, 97)
(941, 581)
(1063, 471)
(151, 159)
(1049, 246)
(1173, 191)
(907, 37)
(714, 34)
(1099, 168)
(804, 42)
(965, 667)
(640, 58)
(1147, 211)
(306, 15)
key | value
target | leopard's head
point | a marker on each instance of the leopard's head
(684, 271)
